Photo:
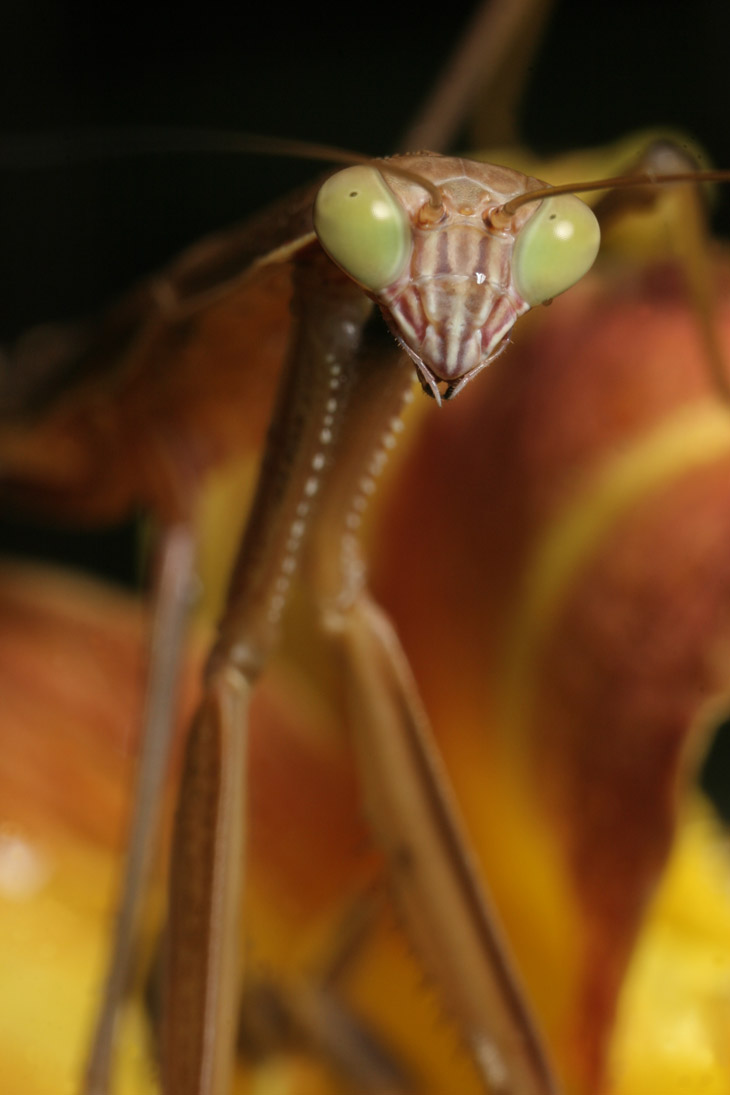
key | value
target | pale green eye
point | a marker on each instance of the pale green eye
(362, 227)
(556, 247)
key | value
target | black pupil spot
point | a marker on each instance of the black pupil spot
(353, 193)
(553, 216)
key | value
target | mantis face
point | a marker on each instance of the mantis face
(452, 273)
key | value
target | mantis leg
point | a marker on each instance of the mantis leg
(171, 600)
(200, 1005)
(311, 1017)
(202, 974)
(436, 881)
(446, 910)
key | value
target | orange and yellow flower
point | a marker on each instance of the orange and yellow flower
(553, 551)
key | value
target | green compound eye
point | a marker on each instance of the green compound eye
(362, 227)
(556, 247)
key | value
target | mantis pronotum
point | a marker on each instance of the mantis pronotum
(366, 648)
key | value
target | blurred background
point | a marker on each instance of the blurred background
(74, 232)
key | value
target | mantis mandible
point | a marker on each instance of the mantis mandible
(365, 639)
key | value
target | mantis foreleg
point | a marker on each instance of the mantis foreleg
(435, 879)
(202, 970)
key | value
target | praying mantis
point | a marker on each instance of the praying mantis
(367, 656)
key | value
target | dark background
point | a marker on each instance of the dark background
(73, 233)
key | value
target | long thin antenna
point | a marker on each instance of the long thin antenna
(617, 182)
(30, 153)
(38, 150)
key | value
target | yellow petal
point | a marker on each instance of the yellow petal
(674, 1014)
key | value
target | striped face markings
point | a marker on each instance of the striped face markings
(451, 280)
